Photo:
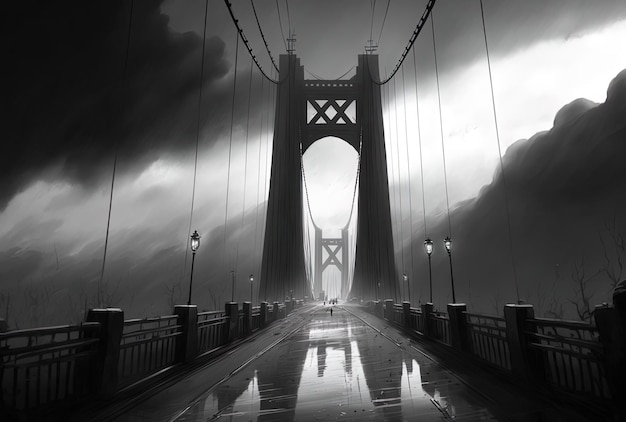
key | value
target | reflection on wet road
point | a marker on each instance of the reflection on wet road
(338, 368)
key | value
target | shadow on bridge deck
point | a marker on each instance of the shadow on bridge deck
(345, 366)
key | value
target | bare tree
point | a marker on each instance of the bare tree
(214, 299)
(173, 292)
(582, 295)
(614, 253)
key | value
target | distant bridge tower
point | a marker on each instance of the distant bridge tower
(337, 255)
(307, 111)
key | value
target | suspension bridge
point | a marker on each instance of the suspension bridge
(355, 347)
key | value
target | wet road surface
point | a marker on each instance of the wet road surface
(338, 368)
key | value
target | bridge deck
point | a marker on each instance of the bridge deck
(348, 366)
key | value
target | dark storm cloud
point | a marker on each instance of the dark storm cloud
(563, 186)
(69, 105)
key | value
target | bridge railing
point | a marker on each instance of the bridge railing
(256, 318)
(487, 339)
(212, 326)
(147, 345)
(569, 355)
(43, 365)
(55, 367)
(439, 327)
(569, 358)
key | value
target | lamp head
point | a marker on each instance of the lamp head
(428, 245)
(195, 241)
(251, 278)
(448, 243)
(405, 277)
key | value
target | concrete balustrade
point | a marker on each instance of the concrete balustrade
(104, 376)
(530, 352)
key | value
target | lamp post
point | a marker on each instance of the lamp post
(195, 244)
(232, 293)
(408, 286)
(251, 281)
(428, 245)
(448, 244)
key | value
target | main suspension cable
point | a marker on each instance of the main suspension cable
(416, 32)
(504, 185)
(245, 41)
(267, 48)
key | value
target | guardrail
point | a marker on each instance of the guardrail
(212, 326)
(574, 360)
(147, 345)
(55, 368)
(439, 327)
(570, 355)
(487, 337)
(43, 365)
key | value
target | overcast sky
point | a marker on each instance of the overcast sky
(71, 105)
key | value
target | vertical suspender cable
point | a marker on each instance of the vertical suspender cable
(280, 24)
(195, 163)
(400, 225)
(258, 188)
(106, 237)
(419, 138)
(443, 146)
(495, 119)
(245, 167)
(408, 168)
(390, 160)
(230, 143)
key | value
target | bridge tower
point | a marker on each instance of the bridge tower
(306, 111)
(337, 251)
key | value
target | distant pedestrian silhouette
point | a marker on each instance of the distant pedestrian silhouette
(331, 311)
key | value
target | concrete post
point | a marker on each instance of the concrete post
(378, 309)
(427, 310)
(247, 318)
(612, 330)
(111, 328)
(389, 309)
(406, 310)
(524, 362)
(187, 344)
(458, 326)
(276, 311)
(232, 311)
(264, 320)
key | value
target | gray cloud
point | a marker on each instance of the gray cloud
(71, 105)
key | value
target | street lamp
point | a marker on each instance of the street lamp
(448, 244)
(428, 245)
(195, 244)
(232, 293)
(408, 286)
(251, 281)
